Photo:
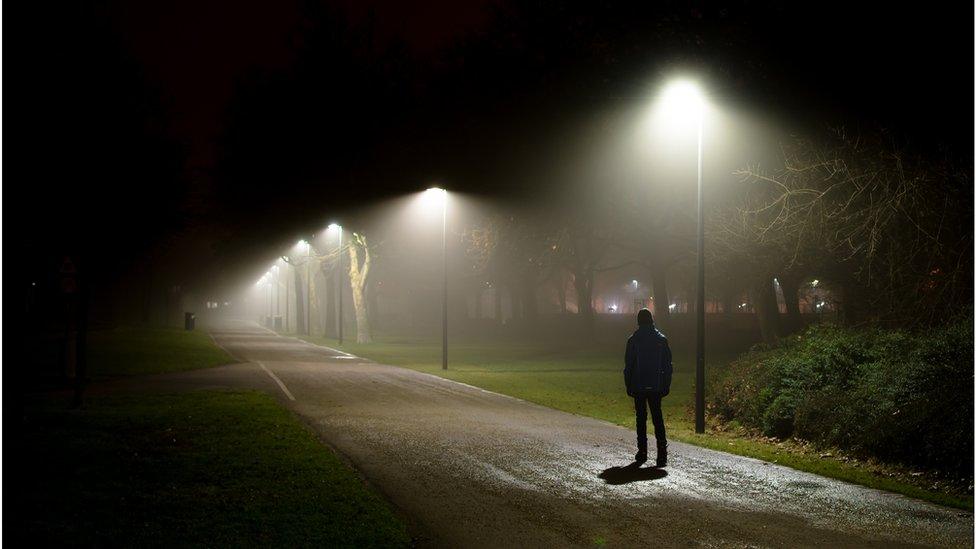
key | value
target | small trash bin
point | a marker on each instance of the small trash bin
(189, 321)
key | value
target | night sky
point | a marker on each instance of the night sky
(199, 136)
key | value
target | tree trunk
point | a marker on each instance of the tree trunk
(791, 295)
(477, 303)
(764, 297)
(730, 302)
(854, 308)
(515, 298)
(328, 312)
(583, 282)
(530, 303)
(372, 304)
(299, 299)
(497, 292)
(561, 292)
(358, 277)
(662, 310)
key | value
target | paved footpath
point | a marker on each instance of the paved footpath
(471, 468)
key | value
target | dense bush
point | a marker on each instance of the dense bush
(895, 395)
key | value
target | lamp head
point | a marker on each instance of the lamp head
(683, 99)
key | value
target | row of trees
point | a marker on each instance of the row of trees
(887, 232)
(356, 255)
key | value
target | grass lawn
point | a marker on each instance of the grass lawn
(588, 380)
(208, 468)
(134, 351)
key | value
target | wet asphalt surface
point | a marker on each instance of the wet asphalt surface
(471, 468)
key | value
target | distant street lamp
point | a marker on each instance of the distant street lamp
(683, 101)
(338, 228)
(308, 287)
(287, 297)
(277, 296)
(436, 196)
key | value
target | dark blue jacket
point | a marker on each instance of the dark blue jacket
(647, 362)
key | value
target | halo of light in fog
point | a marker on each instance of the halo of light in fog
(681, 103)
(673, 114)
(433, 199)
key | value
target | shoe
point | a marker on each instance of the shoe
(641, 457)
(662, 455)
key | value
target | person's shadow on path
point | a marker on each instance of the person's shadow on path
(631, 473)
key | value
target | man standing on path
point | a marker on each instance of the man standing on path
(647, 374)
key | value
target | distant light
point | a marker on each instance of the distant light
(333, 227)
(635, 283)
(814, 283)
(613, 308)
(672, 306)
(776, 281)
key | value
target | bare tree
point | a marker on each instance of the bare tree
(891, 230)
(515, 252)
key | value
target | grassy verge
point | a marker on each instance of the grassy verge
(136, 351)
(207, 468)
(588, 380)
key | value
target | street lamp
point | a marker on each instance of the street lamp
(682, 101)
(308, 286)
(435, 196)
(284, 261)
(266, 282)
(335, 227)
(276, 284)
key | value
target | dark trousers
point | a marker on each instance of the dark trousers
(643, 401)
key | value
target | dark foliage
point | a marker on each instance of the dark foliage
(898, 396)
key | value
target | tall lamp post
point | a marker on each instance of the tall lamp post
(338, 228)
(683, 99)
(308, 288)
(277, 297)
(440, 195)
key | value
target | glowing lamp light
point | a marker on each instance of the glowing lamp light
(672, 306)
(433, 199)
(333, 227)
(682, 102)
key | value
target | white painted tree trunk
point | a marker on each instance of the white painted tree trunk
(359, 260)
